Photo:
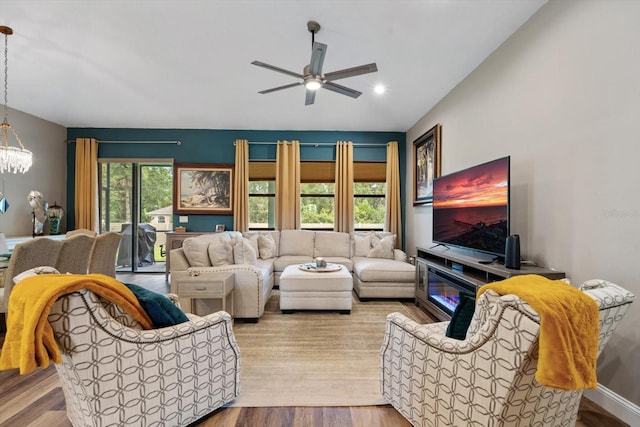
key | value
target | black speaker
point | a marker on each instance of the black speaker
(512, 252)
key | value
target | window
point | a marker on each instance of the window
(262, 203)
(317, 195)
(317, 205)
(369, 205)
(262, 195)
(369, 195)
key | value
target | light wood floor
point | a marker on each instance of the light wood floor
(37, 399)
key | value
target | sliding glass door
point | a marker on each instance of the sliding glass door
(136, 200)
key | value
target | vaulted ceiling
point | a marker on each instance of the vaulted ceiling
(187, 63)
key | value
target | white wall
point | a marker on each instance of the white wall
(562, 97)
(48, 174)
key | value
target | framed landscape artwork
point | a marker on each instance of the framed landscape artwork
(202, 189)
(426, 165)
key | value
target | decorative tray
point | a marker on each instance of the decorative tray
(312, 268)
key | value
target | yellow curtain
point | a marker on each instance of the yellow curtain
(241, 187)
(344, 187)
(86, 183)
(288, 185)
(393, 220)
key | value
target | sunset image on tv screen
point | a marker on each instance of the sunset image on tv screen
(471, 207)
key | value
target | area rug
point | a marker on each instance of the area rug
(313, 358)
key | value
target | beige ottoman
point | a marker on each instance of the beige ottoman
(310, 290)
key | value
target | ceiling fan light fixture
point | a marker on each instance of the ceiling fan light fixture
(313, 84)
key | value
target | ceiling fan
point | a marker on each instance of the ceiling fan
(312, 77)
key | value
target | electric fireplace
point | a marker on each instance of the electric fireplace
(443, 290)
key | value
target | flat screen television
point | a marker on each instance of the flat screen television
(471, 208)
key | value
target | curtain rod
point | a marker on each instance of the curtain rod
(316, 144)
(69, 141)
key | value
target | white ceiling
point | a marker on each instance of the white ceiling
(187, 63)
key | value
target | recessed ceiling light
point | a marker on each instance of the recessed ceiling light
(379, 89)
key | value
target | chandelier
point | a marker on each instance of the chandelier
(12, 159)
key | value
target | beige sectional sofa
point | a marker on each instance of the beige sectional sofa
(257, 259)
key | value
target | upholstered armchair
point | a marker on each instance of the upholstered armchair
(488, 378)
(114, 373)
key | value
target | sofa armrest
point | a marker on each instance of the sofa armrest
(249, 299)
(399, 255)
(178, 260)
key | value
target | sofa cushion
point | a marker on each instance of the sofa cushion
(332, 243)
(244, 253)
(382, 247)
(280, 263)
(383, 270)
(253, 241)
(266, 246)
(195, 250)
(296, 242)
(266, 267)
(340, 260)
(361, 243)
(220, 253)
(274, 234)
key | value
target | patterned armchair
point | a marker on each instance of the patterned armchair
(488, 378)
(114, 373)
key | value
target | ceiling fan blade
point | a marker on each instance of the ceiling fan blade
(341, 89)
(280, 88)
(350, 72)
(310, 97)
(317, 58)
(278, 69)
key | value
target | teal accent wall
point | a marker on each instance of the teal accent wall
(216, 146)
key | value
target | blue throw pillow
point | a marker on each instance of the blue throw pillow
(462, 315)
(160, 309)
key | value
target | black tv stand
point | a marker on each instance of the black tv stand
(464, 271)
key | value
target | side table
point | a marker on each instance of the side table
(198, 289)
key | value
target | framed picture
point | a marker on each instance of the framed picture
(426, 165)
(219, 228)
(202, 189)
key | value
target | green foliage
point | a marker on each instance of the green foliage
(157, 189)
(318, 203)
(156, 185)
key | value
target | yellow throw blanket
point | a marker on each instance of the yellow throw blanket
(30, 341)
(568, 343)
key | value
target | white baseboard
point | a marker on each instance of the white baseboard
(616, 404)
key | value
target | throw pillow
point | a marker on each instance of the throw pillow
(243, 253)
(160, 309)
(461, 318)
(195, 250)
(267, 246)
(220, 253)
(253, 240)
(34, 272)
(362, 244)
(382, 248)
